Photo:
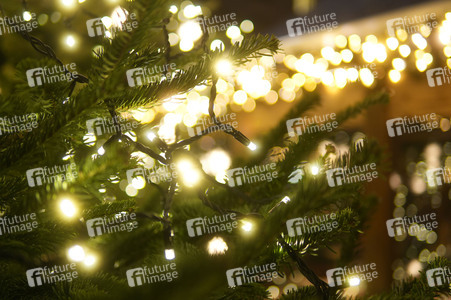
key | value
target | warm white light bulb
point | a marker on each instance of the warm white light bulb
(247, 226)
(138, 182)
(101, 151)
(173, 9)
(217, 246)
(169, 254)
(286, 199)
(224, 67)
(68, 208)
(76, 253)
(151, 136)
(26, 15)
(70, 41)
(252, 146)
(68, 3)
(354, 281)
(188, 172)
(89, 260)
(314, 170)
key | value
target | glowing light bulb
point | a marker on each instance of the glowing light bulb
(68, 208)
(169, 254)
(328, 52)
(26, 15)
(217, 246)
(190, 31)
(252, 146)
(101, 151)
(394, 76)
(216, 161)
(421, 65)
(89, 260)
(233, 32)
(366, 77)
(419, 41)
(354, 42)
(186, 45)
(190, 175)
(352, 74)
(354, 281)
(70, 41)
(131, 191)
(314, 169)
(138, 182)
(286, 199)
(76, 253)
(151, 136)
(173, 9)
(392, 43)
(68, 3)
(399, 64)
(247, 226)
(347, 55)
(404, 50)
(341, 41)
(224, 67)
(247, 26)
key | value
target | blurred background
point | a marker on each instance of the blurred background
(343, 65)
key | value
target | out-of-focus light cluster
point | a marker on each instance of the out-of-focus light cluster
(77, 253)
(239, 88)
(418, 186)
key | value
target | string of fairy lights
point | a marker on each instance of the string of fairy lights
(190, 175)
(239, 88)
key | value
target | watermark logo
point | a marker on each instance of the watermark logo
(412, 24)
(307, 25)
(298, 126)
(438, 76)
(217, 23)
(257, 273)
(144, 76)
(438, 276)
(412, 225)
(40, 176)
(306, 225)
(96, 27)
(18, 123)
(13, 224)
(240, 176)
(146, 275)
(340, 176)
(46, 275)
(408, 125)
(165, 173)
(100, 126)
(208, 126)
(206, 225)
(353, 276)
(18, 24)
(41, 76)
(438, 176)
(120, 222)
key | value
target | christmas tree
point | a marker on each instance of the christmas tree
(114, 178)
